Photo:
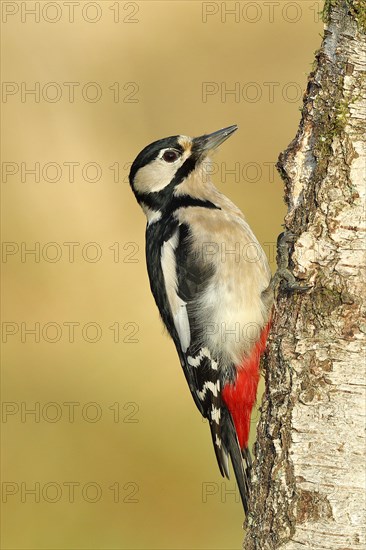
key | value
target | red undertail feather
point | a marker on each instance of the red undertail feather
(240, 396)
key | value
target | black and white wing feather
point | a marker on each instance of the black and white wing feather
(179, 281)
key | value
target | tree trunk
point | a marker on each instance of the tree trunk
(308, 481)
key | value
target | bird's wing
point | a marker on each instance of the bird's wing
(186, 275)
(185, 278)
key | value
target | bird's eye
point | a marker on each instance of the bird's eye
(170, 155)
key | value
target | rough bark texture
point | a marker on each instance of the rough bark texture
(309, 473)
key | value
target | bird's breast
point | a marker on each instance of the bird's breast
(230, 312)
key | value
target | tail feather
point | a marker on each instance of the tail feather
(241, 474)
(226, 444)
(221, 453)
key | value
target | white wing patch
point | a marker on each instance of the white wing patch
(177, 305)
(182, 324)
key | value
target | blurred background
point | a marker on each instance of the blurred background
(102, 446)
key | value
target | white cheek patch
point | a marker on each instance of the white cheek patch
(156, 175)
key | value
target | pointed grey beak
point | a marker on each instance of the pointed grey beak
(208, 142)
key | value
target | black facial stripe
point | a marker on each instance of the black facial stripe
(183, 172)
(185, 200)
(156, 201)
(159, 199)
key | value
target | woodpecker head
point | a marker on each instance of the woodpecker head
(172, 167)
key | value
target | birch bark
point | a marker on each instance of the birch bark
(308, 482)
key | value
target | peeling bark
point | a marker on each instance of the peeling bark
(308, 481)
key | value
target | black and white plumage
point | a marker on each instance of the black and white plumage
(198, 290)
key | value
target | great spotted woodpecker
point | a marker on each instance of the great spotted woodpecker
(211, 282)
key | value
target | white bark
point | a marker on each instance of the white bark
(309, 472)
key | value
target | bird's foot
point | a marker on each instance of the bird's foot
(284, 277)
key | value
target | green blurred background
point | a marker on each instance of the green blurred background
(116, 454)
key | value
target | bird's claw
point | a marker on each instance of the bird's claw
(283, 275)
